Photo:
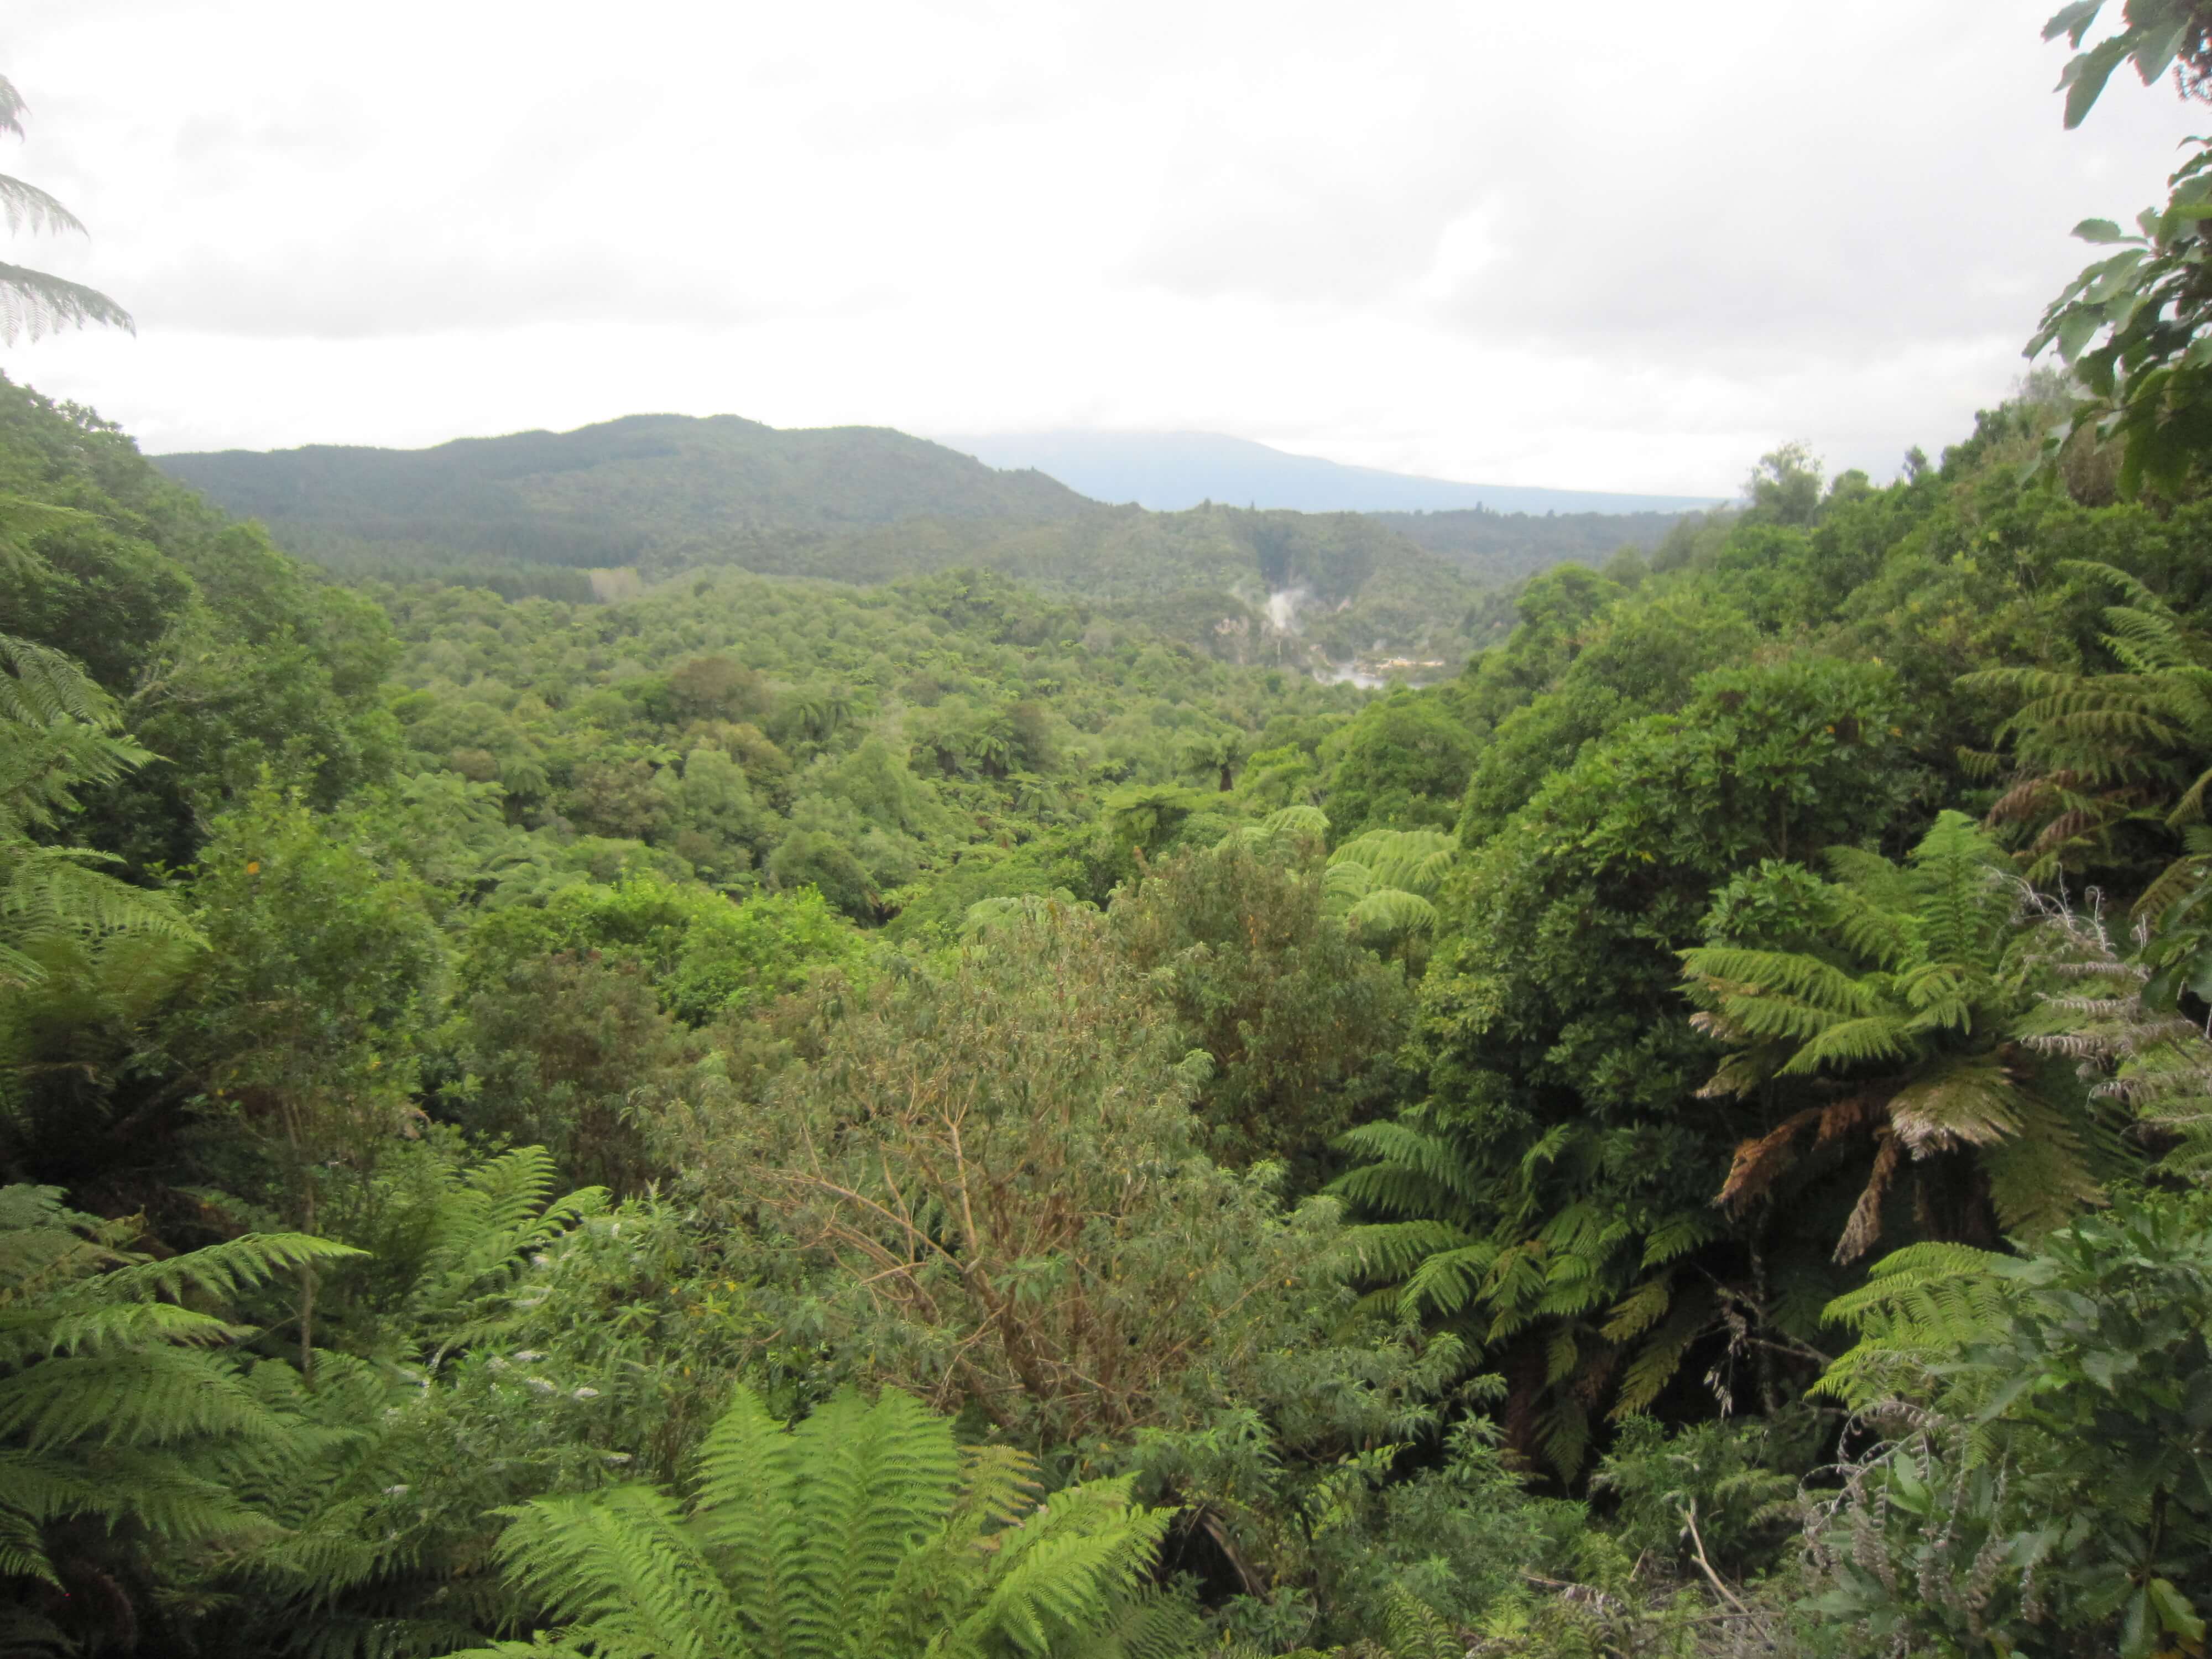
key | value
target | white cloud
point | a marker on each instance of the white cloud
(1468, 240)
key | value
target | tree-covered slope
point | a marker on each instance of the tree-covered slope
(1503, 547)
(664, 489)
(530, 513)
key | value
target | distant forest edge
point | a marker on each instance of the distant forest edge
(539, 512)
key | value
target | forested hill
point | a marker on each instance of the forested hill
(534, 512)
(663, 488)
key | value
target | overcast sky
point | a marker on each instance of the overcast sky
(1613, 246)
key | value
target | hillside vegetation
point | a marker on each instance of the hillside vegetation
(1509, 547)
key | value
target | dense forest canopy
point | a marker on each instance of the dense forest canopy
(904, 1107)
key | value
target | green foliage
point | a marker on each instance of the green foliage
(2046, 1489)
(127, 1435)
(224, 657)
(953, 984)
(708, 955)
(82, 952)
(1726, 1490)
(860, 505)
(1401, 761)
(1551, 1195)
(574, 1053)
(301, 1027)
(2100, 758)
(866, 1531)
(1299, 1022)
(1384, 885)
(998, 1167)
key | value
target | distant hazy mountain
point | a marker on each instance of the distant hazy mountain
(1169, 471)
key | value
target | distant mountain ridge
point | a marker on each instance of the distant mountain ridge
(1169, 472)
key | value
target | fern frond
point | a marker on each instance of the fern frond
(877, 1481)
(1447, 1280)
(620, 1569)
(1416, 1629)
(1413, 1173)
(1965, 1101)
(2040, 1179)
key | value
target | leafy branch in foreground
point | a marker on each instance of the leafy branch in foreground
(2149, 381)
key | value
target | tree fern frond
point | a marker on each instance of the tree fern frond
(1392, 1249)
(1639, 1311)
(746, 1471)
(40, 685)
(1659, 1356)
(1067, 1569)
(1393, 912)
(1677, 1236)
(1852, 1043)
(1411, 1171)
(1416, 1629)
(1918, 1303)
(2040, 1179)
(623, 1570)
(1819, 985)
(1447, 1280)
(878, 1481)
(37, 303)
(1150, 1625)
(227, 1268)
(28, 210)
(1965, 1101)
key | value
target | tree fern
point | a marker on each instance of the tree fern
(1918, 1304)
(1898, 1036)
(1503, 1261)
(380, 1546)
(865, 1532)
(1384, 885)
(78, 946)
(485, 1227)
